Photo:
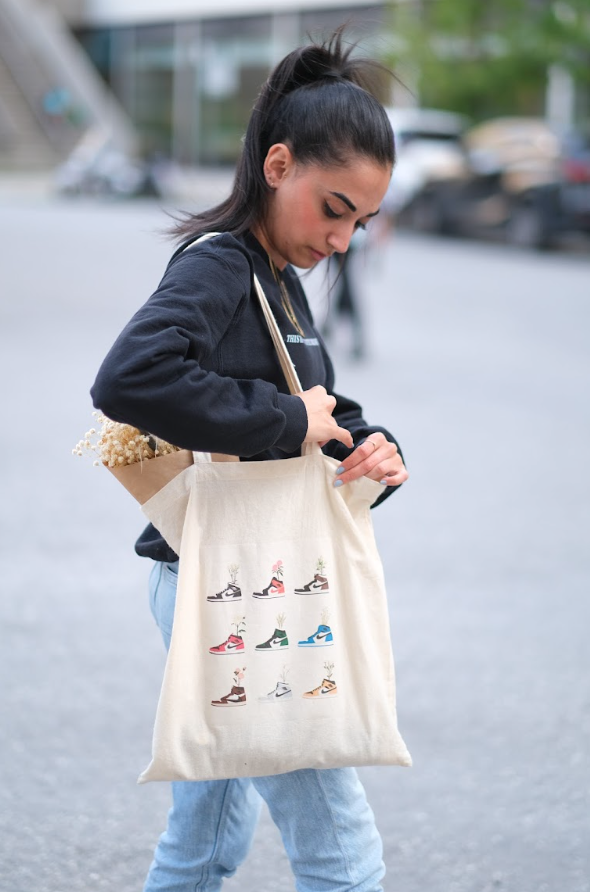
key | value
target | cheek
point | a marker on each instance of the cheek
(305, 217)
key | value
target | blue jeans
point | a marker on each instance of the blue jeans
(326, 824)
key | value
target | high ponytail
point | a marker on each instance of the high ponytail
(320, 101)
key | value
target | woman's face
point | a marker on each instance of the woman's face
(314, 211)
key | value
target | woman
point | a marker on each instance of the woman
(196, 367)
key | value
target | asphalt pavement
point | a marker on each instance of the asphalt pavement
(478, 361)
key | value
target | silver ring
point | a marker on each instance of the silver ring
(373, 444)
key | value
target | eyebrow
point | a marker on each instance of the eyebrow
(344, 198)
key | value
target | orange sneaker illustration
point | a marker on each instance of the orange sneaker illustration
(324, 690)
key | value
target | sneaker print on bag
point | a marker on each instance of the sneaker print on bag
(326, 689)
(323, 637)
(276, 587)
(278, 640)
(237, 695)
(231, 592)
(235, 642)
(319, 583)
(282, 692)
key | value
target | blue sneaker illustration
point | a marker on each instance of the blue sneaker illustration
(322, 638)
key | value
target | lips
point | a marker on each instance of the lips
(318, 255)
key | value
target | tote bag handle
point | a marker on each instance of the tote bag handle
(285, 360)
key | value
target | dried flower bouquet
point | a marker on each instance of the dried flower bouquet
(120, 444)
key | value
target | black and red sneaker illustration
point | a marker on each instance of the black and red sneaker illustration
(276, 586)
(235, 642)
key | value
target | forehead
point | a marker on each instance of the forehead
(362, 180)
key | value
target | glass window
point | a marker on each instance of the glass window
(234, 60)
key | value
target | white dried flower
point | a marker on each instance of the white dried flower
(118, 444)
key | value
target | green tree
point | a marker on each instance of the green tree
(493, 57)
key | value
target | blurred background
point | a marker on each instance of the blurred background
(132, 97)
(460, 321)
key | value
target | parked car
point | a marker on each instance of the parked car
(518, 178)
(427, 145)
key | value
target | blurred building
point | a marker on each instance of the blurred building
(171, 79)
(188, 72)
(51, 95)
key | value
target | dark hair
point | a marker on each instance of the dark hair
(320, 101)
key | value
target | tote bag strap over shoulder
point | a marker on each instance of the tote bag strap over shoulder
(277, 339)
(284, 358)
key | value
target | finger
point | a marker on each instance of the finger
(380, 471)
(344, 436)
(396, 478)
(366, 468)
(368, 460)
(363, 454)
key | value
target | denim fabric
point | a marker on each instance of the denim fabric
(326, 824)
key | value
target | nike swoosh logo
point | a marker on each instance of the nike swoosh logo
(326, 690)
(277, 641)
(283, 693)
(321, 635)
(233, 646)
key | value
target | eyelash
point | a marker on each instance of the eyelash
(331, 213)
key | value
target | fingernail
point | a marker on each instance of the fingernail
(383, 482)
(341, 470)
(338, 483)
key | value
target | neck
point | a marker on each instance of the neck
(259, 232)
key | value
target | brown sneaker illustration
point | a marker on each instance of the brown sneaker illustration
(326, 689)
(319, 584)
(236, 697)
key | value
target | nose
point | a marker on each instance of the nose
(339, 240)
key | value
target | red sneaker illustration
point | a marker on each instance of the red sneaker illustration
(234, 644)
(276, 587)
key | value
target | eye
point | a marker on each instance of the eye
(330, 212)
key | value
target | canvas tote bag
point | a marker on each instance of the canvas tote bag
(280, 656)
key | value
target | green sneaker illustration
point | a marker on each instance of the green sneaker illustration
(277, 641)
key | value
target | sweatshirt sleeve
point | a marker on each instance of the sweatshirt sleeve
(155, 375)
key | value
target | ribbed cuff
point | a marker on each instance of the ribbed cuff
(295, 428)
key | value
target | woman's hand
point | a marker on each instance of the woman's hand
(377, 459)
(321, 426)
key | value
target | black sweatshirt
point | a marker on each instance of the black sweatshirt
(196, 365)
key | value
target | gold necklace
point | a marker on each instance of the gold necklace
(285, 300)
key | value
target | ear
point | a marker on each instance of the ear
(278, 163)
